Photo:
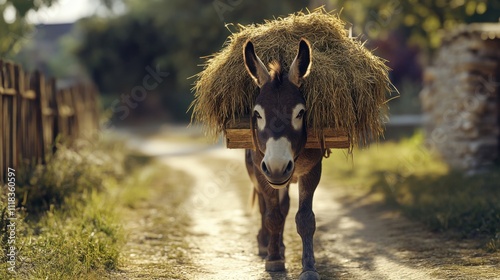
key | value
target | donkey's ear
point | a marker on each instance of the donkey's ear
(254, 65)
(301, 65)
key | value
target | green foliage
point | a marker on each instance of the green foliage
(169, 35)
(412, 178)
(452, 201)
(24, 6)
(71, 171)
(13, 25)
(424, 20)
(68, 225)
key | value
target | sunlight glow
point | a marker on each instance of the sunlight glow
(9, 14)
(64, 11)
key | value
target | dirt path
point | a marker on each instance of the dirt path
(354, 240)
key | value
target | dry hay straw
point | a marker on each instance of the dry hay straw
(347, 88)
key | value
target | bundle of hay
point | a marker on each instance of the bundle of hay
(346, 89)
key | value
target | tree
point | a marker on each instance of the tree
(13, 25)
(423, 20)
(168, 35)
(407, 33)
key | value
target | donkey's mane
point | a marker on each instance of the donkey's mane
(276, 72)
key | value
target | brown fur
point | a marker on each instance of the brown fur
(278, 97)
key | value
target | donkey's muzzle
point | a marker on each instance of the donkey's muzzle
(277, 175)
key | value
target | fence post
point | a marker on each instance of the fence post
(33, 113)
(2, 127)
(64, 113)
(14, 120)
(24, 123)
(17, 121)
(39, 93)
(95, 110)
(52, 102)
(9, 116)
(76, 104)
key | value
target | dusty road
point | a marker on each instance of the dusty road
(355, 238)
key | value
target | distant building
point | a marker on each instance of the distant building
(461, 97)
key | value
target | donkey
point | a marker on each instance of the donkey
(280, 157)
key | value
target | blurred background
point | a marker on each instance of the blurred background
(143, 56)
(116, 43)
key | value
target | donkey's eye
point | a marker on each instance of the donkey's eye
(300, 114)
(257, 115)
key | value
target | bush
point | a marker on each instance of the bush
(67, 224)
(70, 172)
(416, 181)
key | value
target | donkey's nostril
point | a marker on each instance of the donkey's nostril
(264, 168)
(289, 167)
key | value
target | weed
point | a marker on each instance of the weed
(68, 226)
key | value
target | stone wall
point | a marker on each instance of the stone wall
(461, 99)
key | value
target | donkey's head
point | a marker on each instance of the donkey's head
(279, 112)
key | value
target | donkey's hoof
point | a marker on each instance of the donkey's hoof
(309, 275)
(276, 265)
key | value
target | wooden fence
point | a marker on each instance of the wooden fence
(33, 112)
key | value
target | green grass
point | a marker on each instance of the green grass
(81, 242)
(68, 226)
(409, 176)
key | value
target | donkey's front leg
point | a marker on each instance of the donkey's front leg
(274, 222)
(306, 221)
